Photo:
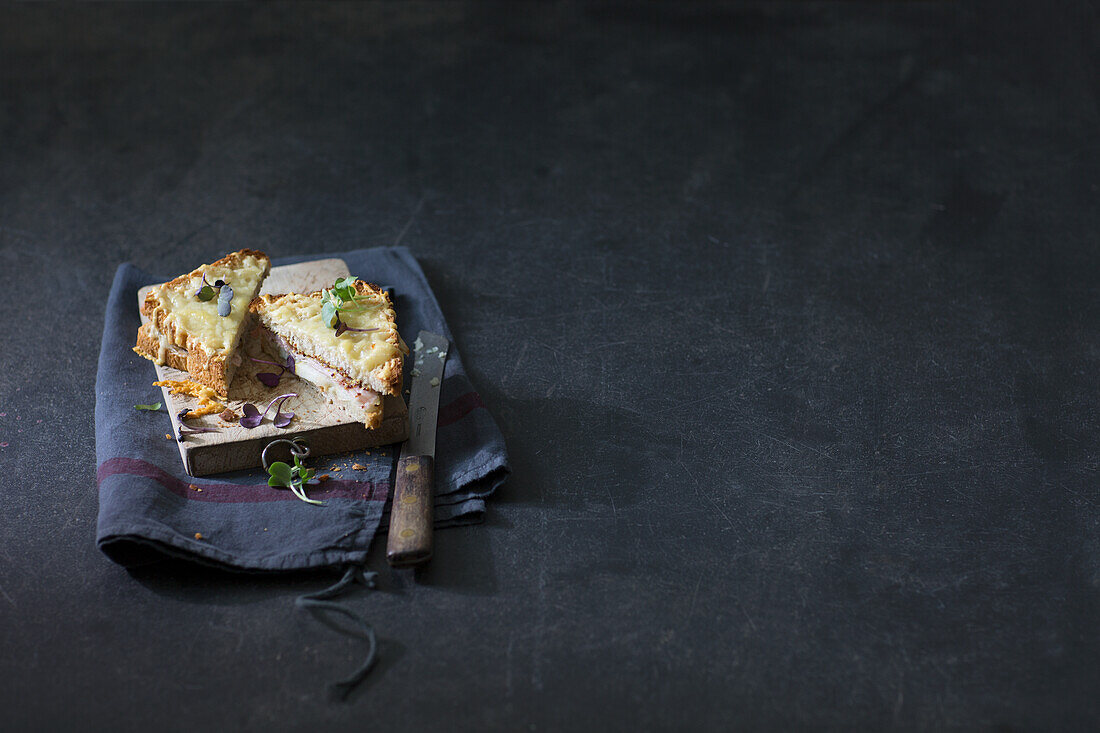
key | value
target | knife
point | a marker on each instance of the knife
(410, 537)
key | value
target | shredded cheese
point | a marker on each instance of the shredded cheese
(207, 404)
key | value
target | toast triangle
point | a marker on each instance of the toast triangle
(188, 334)
(354, 367)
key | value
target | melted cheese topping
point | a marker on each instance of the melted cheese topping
(163, 344)
(196, 319)
(301, 317)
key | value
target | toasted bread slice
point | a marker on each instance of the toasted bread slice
(187, 333)
(354, 368)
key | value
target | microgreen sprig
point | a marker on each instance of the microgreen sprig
(253, 417)
(283, 475)
(342, 297)
(207, 291)
(225, 300)
(185, 430)
(341, 327)
(220, 288)
(155, 406)
(271, 379)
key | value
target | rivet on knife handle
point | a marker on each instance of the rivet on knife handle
(410, 538)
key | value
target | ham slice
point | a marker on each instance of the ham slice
(333, 383)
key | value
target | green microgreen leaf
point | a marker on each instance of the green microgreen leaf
(296, 486)
(280, 472)
(206, 293)
(285, 476)
(154, 406)
(342, 297)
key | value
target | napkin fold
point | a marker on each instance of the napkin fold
(150, 508)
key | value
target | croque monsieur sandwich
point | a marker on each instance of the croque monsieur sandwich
(344, 341)
(195, 321)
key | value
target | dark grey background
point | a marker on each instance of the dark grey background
(787, 311)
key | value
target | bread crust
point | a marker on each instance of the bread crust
(385, 378)
(148, 345)
(213, 370)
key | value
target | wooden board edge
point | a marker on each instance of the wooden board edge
(207, 460)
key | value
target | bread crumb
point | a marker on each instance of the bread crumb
(228, 415)
(335, 468)
(198, 535)
(435, 381)
(323, 477)
(168, 436)
(359, 467)
(192, 486)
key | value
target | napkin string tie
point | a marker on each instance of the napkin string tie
(321, 601)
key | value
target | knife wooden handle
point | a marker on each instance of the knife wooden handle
(410, 539)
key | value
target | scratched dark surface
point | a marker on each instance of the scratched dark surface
(788, 312)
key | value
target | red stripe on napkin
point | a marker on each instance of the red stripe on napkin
(237, 493)
(454, 411)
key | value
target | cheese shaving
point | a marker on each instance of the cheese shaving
(208, 405)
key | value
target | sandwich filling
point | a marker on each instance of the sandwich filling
(355, 364)
(333, 383)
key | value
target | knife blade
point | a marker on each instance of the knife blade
(410, 536)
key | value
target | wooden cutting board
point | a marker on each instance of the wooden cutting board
(326, 427)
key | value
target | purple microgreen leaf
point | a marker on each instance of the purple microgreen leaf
(225, 300)
(218, 283)
(341, 327)
(182, 414)
(185, 431)
(265, 361)
(279, 399)
(282, 419)
(271, 379)
(252, 417)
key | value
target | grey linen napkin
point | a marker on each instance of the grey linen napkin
(149, 508)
